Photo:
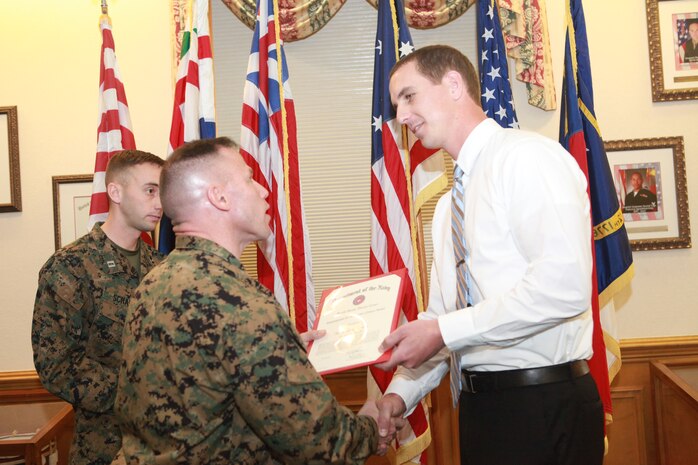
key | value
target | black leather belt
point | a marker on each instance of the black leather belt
(488, 381)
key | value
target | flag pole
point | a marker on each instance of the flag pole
(105, 13)
(285, 154)
(420, 282)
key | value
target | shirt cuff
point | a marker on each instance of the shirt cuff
(408, 392)
(457, 329)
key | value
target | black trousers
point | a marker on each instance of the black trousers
(550, 424)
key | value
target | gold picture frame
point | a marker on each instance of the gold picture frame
(650, 180)
(71, 207)
(674, 76)
(10, 185)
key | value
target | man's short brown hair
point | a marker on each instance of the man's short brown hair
(126, 159)
(193, 151)
(434, 61)
(187, 159)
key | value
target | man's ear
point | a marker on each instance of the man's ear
(455, 84)
(218, 197)
(114, 192)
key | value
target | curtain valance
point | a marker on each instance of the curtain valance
(524, 24)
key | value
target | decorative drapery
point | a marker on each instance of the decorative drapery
(177, 26)
(428, 14)
(524, 23)
(525, 27)
(298, 18)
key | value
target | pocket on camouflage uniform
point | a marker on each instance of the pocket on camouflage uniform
(107, 330)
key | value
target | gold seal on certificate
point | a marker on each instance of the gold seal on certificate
(357, 317)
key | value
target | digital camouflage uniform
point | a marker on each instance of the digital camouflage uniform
(81, 302)
(215, 373)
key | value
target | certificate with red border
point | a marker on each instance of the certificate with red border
(357, 317)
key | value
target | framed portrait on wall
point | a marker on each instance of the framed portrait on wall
(10, 185)
(71, 207)
(641, 189)
(650, 182)
(672, 30)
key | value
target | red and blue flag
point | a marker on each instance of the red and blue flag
(268, 145)
(581, 136)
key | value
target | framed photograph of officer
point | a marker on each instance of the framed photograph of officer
(650, 182)
(71, 207)
(641, 191)
(672, 31)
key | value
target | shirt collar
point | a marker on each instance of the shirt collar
(473, 145)
(206, 245)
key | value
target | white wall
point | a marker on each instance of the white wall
(50, 70)
(50, 62)
(662, 298)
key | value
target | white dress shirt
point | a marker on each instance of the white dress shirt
(528, 252)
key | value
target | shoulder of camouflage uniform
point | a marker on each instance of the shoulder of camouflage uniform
(152, 252)
(70, 256)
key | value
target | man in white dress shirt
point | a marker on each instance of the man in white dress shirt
(523, 339)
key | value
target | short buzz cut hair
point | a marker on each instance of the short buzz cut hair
(126, 159)
(199, 149)
(434, 61)
(183, 161)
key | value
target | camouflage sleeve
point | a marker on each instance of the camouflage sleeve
(59, 336)
(286, 402)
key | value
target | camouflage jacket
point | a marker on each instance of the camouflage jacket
(84, 291)
(214, 372)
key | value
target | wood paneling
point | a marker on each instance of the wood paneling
(676, 411)
(632, 436)
(350, 389)
(634, 377)
(53, 424)
(626, 438)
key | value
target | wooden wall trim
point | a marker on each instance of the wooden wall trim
(20, 387)
(17, 380)
(646, 349)
(631, 349)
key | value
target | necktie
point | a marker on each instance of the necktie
(457, 221)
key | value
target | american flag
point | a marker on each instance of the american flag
(613, 261)
(268, 145)
(194, 112)
(496, 98)
(393, 232)
(681, 22)
(114, 132)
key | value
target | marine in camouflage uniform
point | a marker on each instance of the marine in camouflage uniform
(214, 372)
(84, 291)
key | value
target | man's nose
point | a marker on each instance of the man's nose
(263, 192)
(401, 114)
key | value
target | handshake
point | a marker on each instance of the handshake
(387, 411)
(388, 414)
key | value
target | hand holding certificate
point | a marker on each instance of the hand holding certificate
(357, 317)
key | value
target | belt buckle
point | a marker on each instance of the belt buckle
(468, 385)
